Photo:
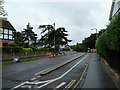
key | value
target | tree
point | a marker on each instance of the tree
(79, 48)
(89, 42)
(60, 37)
(29, 37)
(57, 37)
(46, 29)
(18, 38)
(2, 11)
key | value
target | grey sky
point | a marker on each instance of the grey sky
(77, 17)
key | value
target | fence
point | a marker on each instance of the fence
(10, 56)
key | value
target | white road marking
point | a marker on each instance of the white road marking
(56, 65)
(29, 86)
(49, 81)
(52, 80)
(26, 86)
(81, 76)
(18, 85)
(60, 85)
(33, 79)
(45, 84)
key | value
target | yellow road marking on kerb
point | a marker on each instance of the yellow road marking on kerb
(70, 85)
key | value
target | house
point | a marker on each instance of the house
(6, 32)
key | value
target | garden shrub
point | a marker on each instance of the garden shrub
(27, 49)
(11, 49)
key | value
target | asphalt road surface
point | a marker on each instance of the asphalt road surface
(72, 75)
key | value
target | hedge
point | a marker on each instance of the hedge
(113, 34)
(108, 44)
(27, 49)
(16, 49)
(101, 45)
(8, 49)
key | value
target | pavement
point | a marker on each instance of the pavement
(97, 77)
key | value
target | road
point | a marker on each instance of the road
(27, 74)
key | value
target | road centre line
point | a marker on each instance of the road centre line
(51, 80)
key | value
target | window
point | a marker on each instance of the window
(10, 37)
(10, 31)
(6, 31)
(5, 36)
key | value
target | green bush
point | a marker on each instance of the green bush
(79, 48)
(66, 49)
(35, 49)
(27, 49)
(44, 49)
(113, 34)
(110, 39)
(101, 45)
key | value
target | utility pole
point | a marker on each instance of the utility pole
(54, 39)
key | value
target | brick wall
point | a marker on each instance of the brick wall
(6, 41)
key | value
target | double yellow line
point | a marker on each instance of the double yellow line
(70, 85)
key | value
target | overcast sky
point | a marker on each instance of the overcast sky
(78, 17)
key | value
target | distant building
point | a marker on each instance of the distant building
(6, 32)
(115, 8)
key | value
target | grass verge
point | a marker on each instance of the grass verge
(21, 60)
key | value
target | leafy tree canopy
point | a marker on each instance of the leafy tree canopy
(29, 37)
(2, 10)
(57, 37)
